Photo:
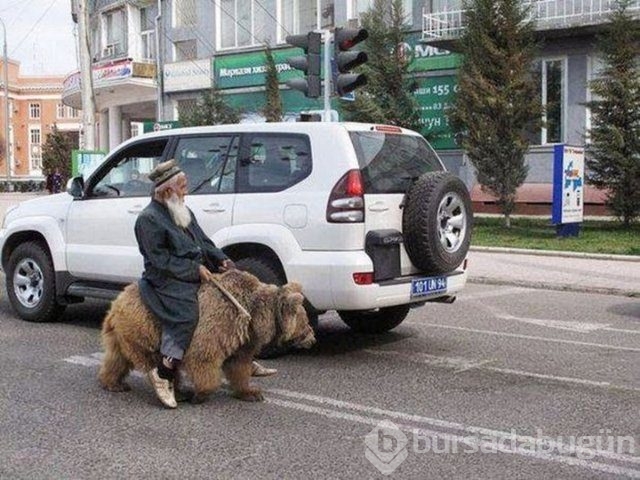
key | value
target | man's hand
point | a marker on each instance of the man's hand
(205, 274)
(227, 265)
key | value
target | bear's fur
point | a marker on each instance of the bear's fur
(224, 338)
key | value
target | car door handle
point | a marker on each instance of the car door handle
(135, 210)
(378, 207)
(214, 208)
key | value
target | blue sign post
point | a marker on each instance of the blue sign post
(568, 190)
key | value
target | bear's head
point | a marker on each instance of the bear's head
(291, 317)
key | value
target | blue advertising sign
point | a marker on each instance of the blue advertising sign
(568, 187)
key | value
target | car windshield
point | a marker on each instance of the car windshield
(390, 162)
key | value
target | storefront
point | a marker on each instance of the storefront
(242, 77)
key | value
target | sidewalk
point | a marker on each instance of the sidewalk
(551, 271)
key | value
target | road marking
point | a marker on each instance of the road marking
(582, 327)
(494, 293)
(85, 361)
(555, 451)
(622, 330)
(462, 365)
(491, 438)
(525, 337)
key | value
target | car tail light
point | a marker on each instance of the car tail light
(346, 201)
(363, 278)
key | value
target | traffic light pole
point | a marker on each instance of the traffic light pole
(327, 76)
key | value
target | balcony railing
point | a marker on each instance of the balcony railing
(548, 15)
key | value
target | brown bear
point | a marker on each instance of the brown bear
(224, 339)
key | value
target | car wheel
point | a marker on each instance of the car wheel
(262, 268)
(374, 321)
(31, 284)
(436, 222)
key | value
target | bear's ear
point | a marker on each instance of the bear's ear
(288, 304)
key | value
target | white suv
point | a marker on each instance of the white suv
(364, 216)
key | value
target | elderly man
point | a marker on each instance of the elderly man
(178, 256)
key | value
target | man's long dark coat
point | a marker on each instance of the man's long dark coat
(171, 278)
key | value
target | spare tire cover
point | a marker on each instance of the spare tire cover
(437, 222)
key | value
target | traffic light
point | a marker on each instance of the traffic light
(345, 60)
(309, 63)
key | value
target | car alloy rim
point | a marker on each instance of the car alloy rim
(452, 222)
(28, 283)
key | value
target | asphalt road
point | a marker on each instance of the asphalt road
(507, 382)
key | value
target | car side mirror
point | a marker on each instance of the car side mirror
(75, 187)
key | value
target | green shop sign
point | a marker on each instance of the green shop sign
(434, 95)
(150, 126)
(424, 58)
(249, 69)
(293, 102)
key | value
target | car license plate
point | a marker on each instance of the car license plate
(427, 286)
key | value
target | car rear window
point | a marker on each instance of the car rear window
(389, 162)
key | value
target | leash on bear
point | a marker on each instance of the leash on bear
(231, 298)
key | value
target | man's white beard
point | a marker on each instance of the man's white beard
(179, 211)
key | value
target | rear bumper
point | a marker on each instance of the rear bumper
(327, 279)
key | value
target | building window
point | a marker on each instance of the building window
(73, 112)
(61, 111)
(34, 110)
(185, 108)
(244, 23)
(299, 16)
(550, 74)
(114, 33)
(185, 13)
(355, 8)
(185, 50)
(147, 34)
(35, 148)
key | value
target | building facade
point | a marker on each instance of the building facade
(153, 58)
(35, 106)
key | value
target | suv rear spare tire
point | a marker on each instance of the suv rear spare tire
(31, 284)
(436, 222)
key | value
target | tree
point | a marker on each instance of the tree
(56, 153)
(388, 96)
(497, 100)
(613, 156)
(211, 109)
(272, 110)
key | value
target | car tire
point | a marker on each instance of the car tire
(437, 222)
(262, 268)
(30, 281)
(375, 321)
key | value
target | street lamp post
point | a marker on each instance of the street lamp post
(7, 143)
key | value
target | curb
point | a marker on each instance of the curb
(563, 287)
(558, 253)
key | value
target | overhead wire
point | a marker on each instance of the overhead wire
(34, 26)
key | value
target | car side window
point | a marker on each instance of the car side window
(204, 160)
(273, 162)
(128, 174)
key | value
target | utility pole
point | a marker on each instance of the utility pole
(86, 78)
(159, 65)
(7, 143)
